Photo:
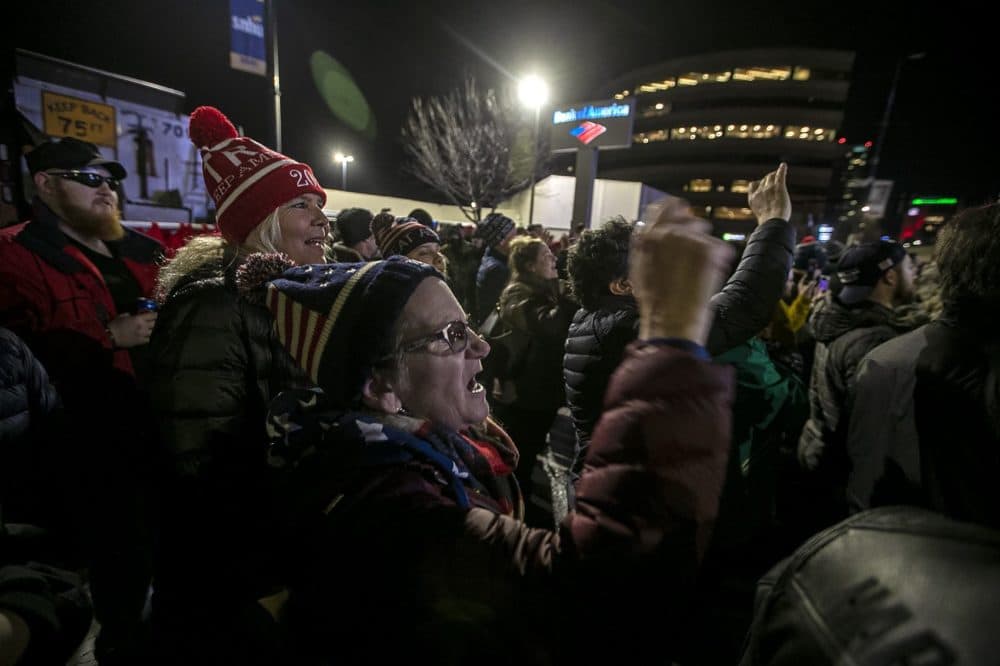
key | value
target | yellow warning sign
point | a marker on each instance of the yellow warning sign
(79, 118)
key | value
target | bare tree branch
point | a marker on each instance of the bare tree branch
(471, 146)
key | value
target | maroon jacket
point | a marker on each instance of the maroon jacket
(395, 567)
(56, 299)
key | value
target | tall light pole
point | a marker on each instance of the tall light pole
(533, 93)
(884, 126)
(342, 160)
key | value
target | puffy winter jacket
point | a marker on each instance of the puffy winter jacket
(405, 546)
(25, 392)
(217, 363)
(597, 339)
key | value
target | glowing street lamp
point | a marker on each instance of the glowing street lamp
(533, 93)
(342, 160)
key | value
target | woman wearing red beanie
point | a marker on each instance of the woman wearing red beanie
(216, 366)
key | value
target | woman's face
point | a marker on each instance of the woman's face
(426, 253)
(434, 382)
(544, 265)
(304, 229)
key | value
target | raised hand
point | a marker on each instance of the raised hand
(675, 267)
(768, 197)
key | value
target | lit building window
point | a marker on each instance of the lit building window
(695, 78)
(742, 186)
(656, 86)
(801, 74)
(646, 137)
(655, 110)
(700, 185)
(752, 131)
(762, 73)
(703, 132)
(701, 211)
(807, 133)
(732, 213)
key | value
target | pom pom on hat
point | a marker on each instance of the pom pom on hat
(260, 267)
(210, 126)
(247, 181)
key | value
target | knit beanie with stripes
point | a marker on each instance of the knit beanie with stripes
(404, 238)
(338, 321)
(246, 180)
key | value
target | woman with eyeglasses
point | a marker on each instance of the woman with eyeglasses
(404, 535)
(217, 363)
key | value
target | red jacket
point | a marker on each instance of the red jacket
(57, 300)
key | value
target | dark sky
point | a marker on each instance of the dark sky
(942, 138)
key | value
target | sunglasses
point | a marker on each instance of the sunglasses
(455, 335)
(87, 178)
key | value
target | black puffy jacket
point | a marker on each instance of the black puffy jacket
(594, 348)
(597, 339)
(25, 392)
(217, 363)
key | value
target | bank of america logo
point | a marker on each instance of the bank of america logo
(588, 131)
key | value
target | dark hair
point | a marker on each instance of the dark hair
(423, 217)
(354, 225)
(381, 222)
(967, 252)
(597, 258)
(524, 252)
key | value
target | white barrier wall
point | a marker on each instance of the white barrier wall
(554, 201)
(337, 200)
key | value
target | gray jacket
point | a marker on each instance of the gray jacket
(882, 434)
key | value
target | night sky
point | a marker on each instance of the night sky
(942, 138)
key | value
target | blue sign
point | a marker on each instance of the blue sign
(590, 112)
(604, 124)
(247, 50)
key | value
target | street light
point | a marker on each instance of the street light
(533, 92)
(342, 160)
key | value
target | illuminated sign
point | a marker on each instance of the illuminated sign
(602, 124)
(247, 50)
(591, 112)
(588, 131)
(935, 201)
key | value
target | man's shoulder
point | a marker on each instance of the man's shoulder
(9, 238)
(140, 247)
(901, 349)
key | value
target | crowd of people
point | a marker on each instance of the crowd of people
(308, 440)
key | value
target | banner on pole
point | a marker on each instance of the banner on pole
(247, 49)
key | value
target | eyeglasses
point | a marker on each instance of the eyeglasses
(88, 178)
(455, 334)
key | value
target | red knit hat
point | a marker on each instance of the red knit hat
(247, 181)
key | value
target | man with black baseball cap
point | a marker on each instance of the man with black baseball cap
(69, 282)
(877, 279)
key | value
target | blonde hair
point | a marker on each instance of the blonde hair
(202, 250)
(524, 251)
(265, 237)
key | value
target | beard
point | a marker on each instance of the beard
(104, 224)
